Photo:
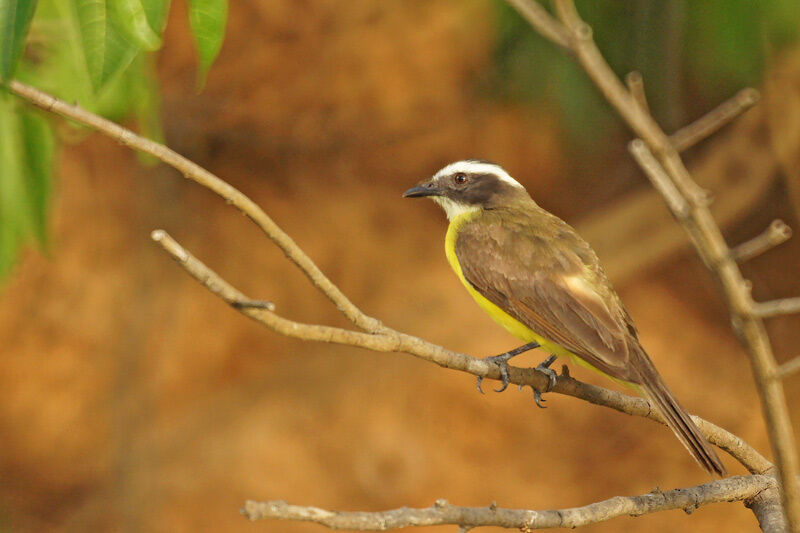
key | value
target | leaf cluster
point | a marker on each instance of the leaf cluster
(97, 53)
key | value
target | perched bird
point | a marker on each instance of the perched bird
(535, 276)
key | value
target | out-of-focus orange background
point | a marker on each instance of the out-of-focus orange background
(133, 400)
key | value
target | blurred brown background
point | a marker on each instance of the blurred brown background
(133, 400)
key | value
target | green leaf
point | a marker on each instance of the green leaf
(146, 96)
(130, 17)
(92, 24)
(12, 198)
(15, 20)
(119, 54)
(156, 11)
(57, 63)
(39, 149)
(207, 19)
(26, 159)
(79, 51)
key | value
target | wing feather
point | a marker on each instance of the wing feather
(551, 283)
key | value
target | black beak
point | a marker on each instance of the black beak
(420, 191)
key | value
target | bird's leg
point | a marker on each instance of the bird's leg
(544, 368)
(502, 362)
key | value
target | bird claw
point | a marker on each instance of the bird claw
(502, 363)
(537, 397)
(504, 379)
(544, 367)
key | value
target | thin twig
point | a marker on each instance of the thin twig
(675, 201)
(642, 124)
(635, 83)
(538, 17)
(690, 135)
(776, 233)
(731, 489)
(709, 244)
(661, 182)
(198, 174)
(788, 368)
(394, 341)
(784, 306)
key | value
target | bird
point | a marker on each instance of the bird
(540, 280)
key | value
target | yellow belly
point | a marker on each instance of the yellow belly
(511, 324)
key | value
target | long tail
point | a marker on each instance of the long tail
(676, 416)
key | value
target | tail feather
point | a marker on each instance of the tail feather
(676, 416)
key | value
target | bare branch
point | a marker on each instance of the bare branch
(766, 505)
(788, 368)
(784, 306)
(203, 177)
(394, 341)
(642, 124)
(712, 248)
(777, 233)
(635, 83)
(677, 204)
(661, 182)
(731, 489)
(711, 122)
(538, 17)
(218, 286)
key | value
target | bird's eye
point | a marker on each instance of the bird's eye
(460, 178)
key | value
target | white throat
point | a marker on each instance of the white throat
(453, 209)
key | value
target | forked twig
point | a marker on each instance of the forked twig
(704, 233)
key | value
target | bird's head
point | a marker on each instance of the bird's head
(470, 185)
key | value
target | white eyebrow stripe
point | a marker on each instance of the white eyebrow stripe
(474, 167)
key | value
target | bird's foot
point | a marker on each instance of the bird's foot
(502, 363)
(544, 368)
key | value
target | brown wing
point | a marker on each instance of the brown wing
(536, 268)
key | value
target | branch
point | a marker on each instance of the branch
(707, 240)
(731, 489)
(787, 369)
(203, 177)
(635, 82)
(784, 306)
(777, 233)
(767, 507)
(711, 122)
(395, 341)
(545, 24)
(661, 182)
